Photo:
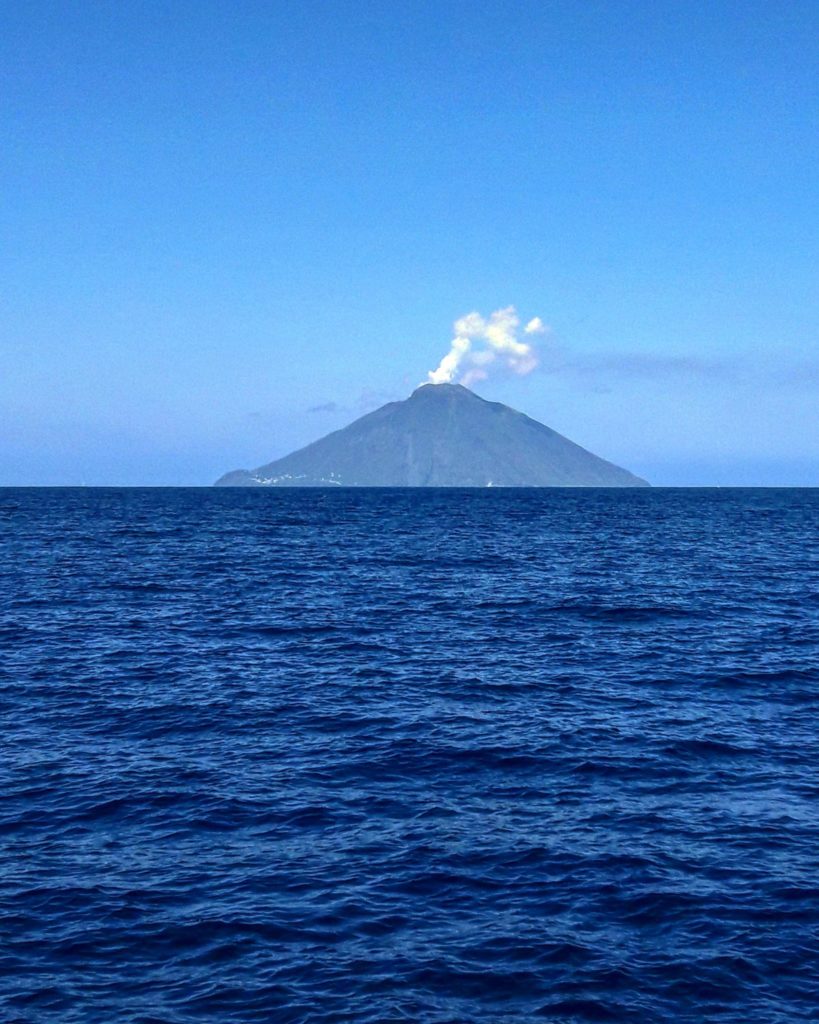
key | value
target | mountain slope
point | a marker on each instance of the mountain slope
(443, 435)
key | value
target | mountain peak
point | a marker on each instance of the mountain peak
(443, 435)
(429, 390)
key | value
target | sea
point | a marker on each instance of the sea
(435, 756)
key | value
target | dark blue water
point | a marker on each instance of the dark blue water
(486, 756)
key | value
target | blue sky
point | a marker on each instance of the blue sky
(226, 229)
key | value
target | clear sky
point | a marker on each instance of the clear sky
(228, 228)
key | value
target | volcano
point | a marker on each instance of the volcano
(443, 435)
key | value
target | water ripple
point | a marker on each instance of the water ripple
(386, 756)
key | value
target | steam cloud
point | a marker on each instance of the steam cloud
(479, 342)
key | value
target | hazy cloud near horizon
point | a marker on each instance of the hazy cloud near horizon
(753, 369)
(367, 400)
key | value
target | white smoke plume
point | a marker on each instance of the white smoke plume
(479, 342)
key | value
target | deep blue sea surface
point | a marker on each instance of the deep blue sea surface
(427, 756)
